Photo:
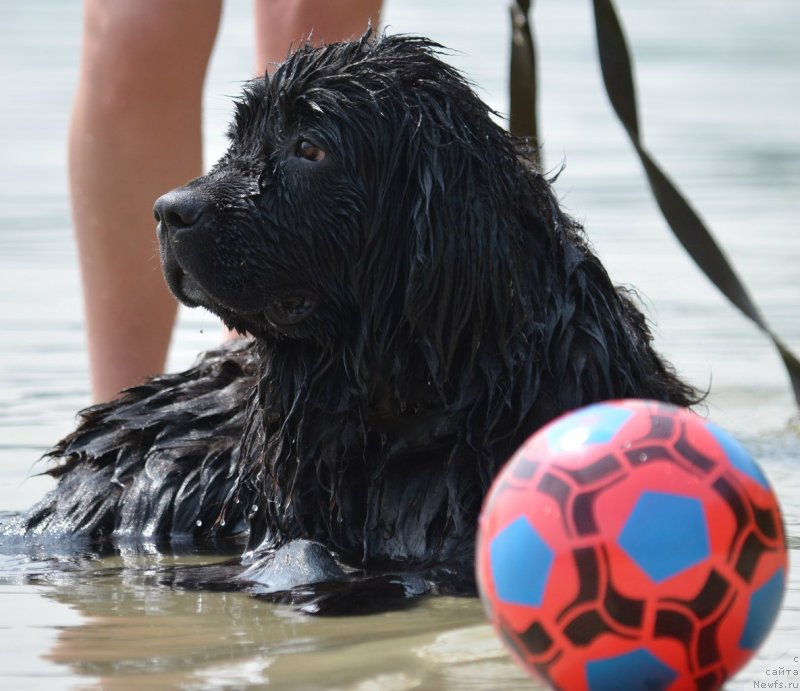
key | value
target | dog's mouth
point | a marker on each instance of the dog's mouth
(291, 307)
(287, 308)
(281, 307)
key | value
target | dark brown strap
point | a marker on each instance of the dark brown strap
(687, 226)
(522, 107)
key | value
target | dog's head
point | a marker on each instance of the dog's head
(425, 301)
(362, 187)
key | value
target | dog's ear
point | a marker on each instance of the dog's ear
(463, 245)
(451, 219)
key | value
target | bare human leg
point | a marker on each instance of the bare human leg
(281, 23)
(135, 132)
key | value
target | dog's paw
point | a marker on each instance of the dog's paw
(297, 563)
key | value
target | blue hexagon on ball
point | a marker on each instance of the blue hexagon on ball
(595, 424)
(639, 669)
(520, 561)
(665, 534)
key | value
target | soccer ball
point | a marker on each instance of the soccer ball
(632, 545)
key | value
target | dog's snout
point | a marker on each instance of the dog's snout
(181, 208)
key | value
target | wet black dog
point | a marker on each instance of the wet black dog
(418, 304)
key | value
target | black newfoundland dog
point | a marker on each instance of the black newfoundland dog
(418, 304)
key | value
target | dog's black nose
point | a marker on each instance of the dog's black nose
(181, 208)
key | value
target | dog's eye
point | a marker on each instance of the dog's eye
(311, 152)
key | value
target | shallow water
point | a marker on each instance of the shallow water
(720, 101)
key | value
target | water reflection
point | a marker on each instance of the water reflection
(132, 632)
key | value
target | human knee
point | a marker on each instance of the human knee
(134, 50)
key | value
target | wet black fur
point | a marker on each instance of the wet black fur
(453, 309)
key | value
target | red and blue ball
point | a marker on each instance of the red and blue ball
(631, 544)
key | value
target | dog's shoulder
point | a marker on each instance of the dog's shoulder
(159, 460)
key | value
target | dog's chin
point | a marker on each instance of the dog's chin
(191, 294)
(183, 285)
